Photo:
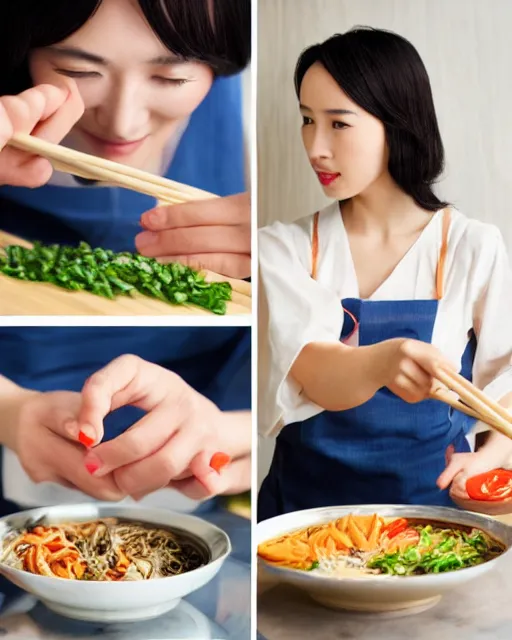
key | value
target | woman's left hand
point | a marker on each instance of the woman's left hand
(460, 467)
(205, 234)
(172, 445)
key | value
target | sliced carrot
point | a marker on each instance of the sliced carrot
(79, 569)
(357, 535)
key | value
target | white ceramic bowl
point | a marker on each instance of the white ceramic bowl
(118, 601)
(380, 594)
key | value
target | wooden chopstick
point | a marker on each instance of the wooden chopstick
(107, 170)
(116, 179)
(489, 411)
(471, 389)
(445, 395)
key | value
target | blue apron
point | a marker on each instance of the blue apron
(215, 361)
(384, 451)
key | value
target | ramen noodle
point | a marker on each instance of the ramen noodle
(104, 550)
(371, 545)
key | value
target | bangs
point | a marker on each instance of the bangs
(216, 32)
(65, 20)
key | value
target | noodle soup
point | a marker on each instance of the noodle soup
(110, 549)
(371, 545)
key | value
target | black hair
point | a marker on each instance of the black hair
(216, 32)
(383, 73)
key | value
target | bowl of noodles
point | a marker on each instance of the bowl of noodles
(107, 563)
(380, 559)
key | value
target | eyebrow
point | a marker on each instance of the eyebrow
(332, 112)
(170, 59)
(80, 54)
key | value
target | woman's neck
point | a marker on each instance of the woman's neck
(384, 209)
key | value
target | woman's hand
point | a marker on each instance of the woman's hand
(172, 445)
(41, 439)
(408, 367)
(45, 111)
(461, 466)
(208, 234)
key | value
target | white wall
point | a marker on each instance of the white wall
(467, 48)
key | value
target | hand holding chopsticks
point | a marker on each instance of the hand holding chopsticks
(472, 401)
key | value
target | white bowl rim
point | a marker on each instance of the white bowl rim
(102, 584)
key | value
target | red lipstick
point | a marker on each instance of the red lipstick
(327, 178)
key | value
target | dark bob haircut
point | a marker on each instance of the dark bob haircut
(216, 32)
(384, 74)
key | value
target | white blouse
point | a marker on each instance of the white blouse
(477, 294)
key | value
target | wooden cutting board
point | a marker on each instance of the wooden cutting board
(22, 298)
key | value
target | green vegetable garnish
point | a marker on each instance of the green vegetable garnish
(110, 274)
(437, 552)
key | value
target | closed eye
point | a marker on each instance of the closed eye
(78, 74)
(177, 82)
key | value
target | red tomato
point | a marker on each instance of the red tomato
(395, 527)
(492, 486)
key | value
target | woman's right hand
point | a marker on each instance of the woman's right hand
(408, 367)
(46, 448)
(47, 112)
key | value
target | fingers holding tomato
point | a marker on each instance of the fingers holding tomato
(489, 492)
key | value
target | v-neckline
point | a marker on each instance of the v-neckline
(430, 224)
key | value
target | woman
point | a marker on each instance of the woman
(419, 284)
(169, 103)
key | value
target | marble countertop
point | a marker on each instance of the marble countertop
(220, 610)
(481, 610)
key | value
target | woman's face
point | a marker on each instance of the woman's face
(136, 92)
(345, 144)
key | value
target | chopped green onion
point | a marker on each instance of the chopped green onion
(106, 273)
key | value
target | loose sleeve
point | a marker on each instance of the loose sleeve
(295, 310)
(492, 320)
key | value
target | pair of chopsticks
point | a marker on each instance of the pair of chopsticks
(112, 173)
(471, 400)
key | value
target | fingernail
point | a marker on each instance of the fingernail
(92, 464)
(146, 239)
(146, 220)
(219, 461)
(87, 436)
(153, 218)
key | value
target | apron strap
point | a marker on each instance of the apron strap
(314, 246)
(440, 263)
(442, 254)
